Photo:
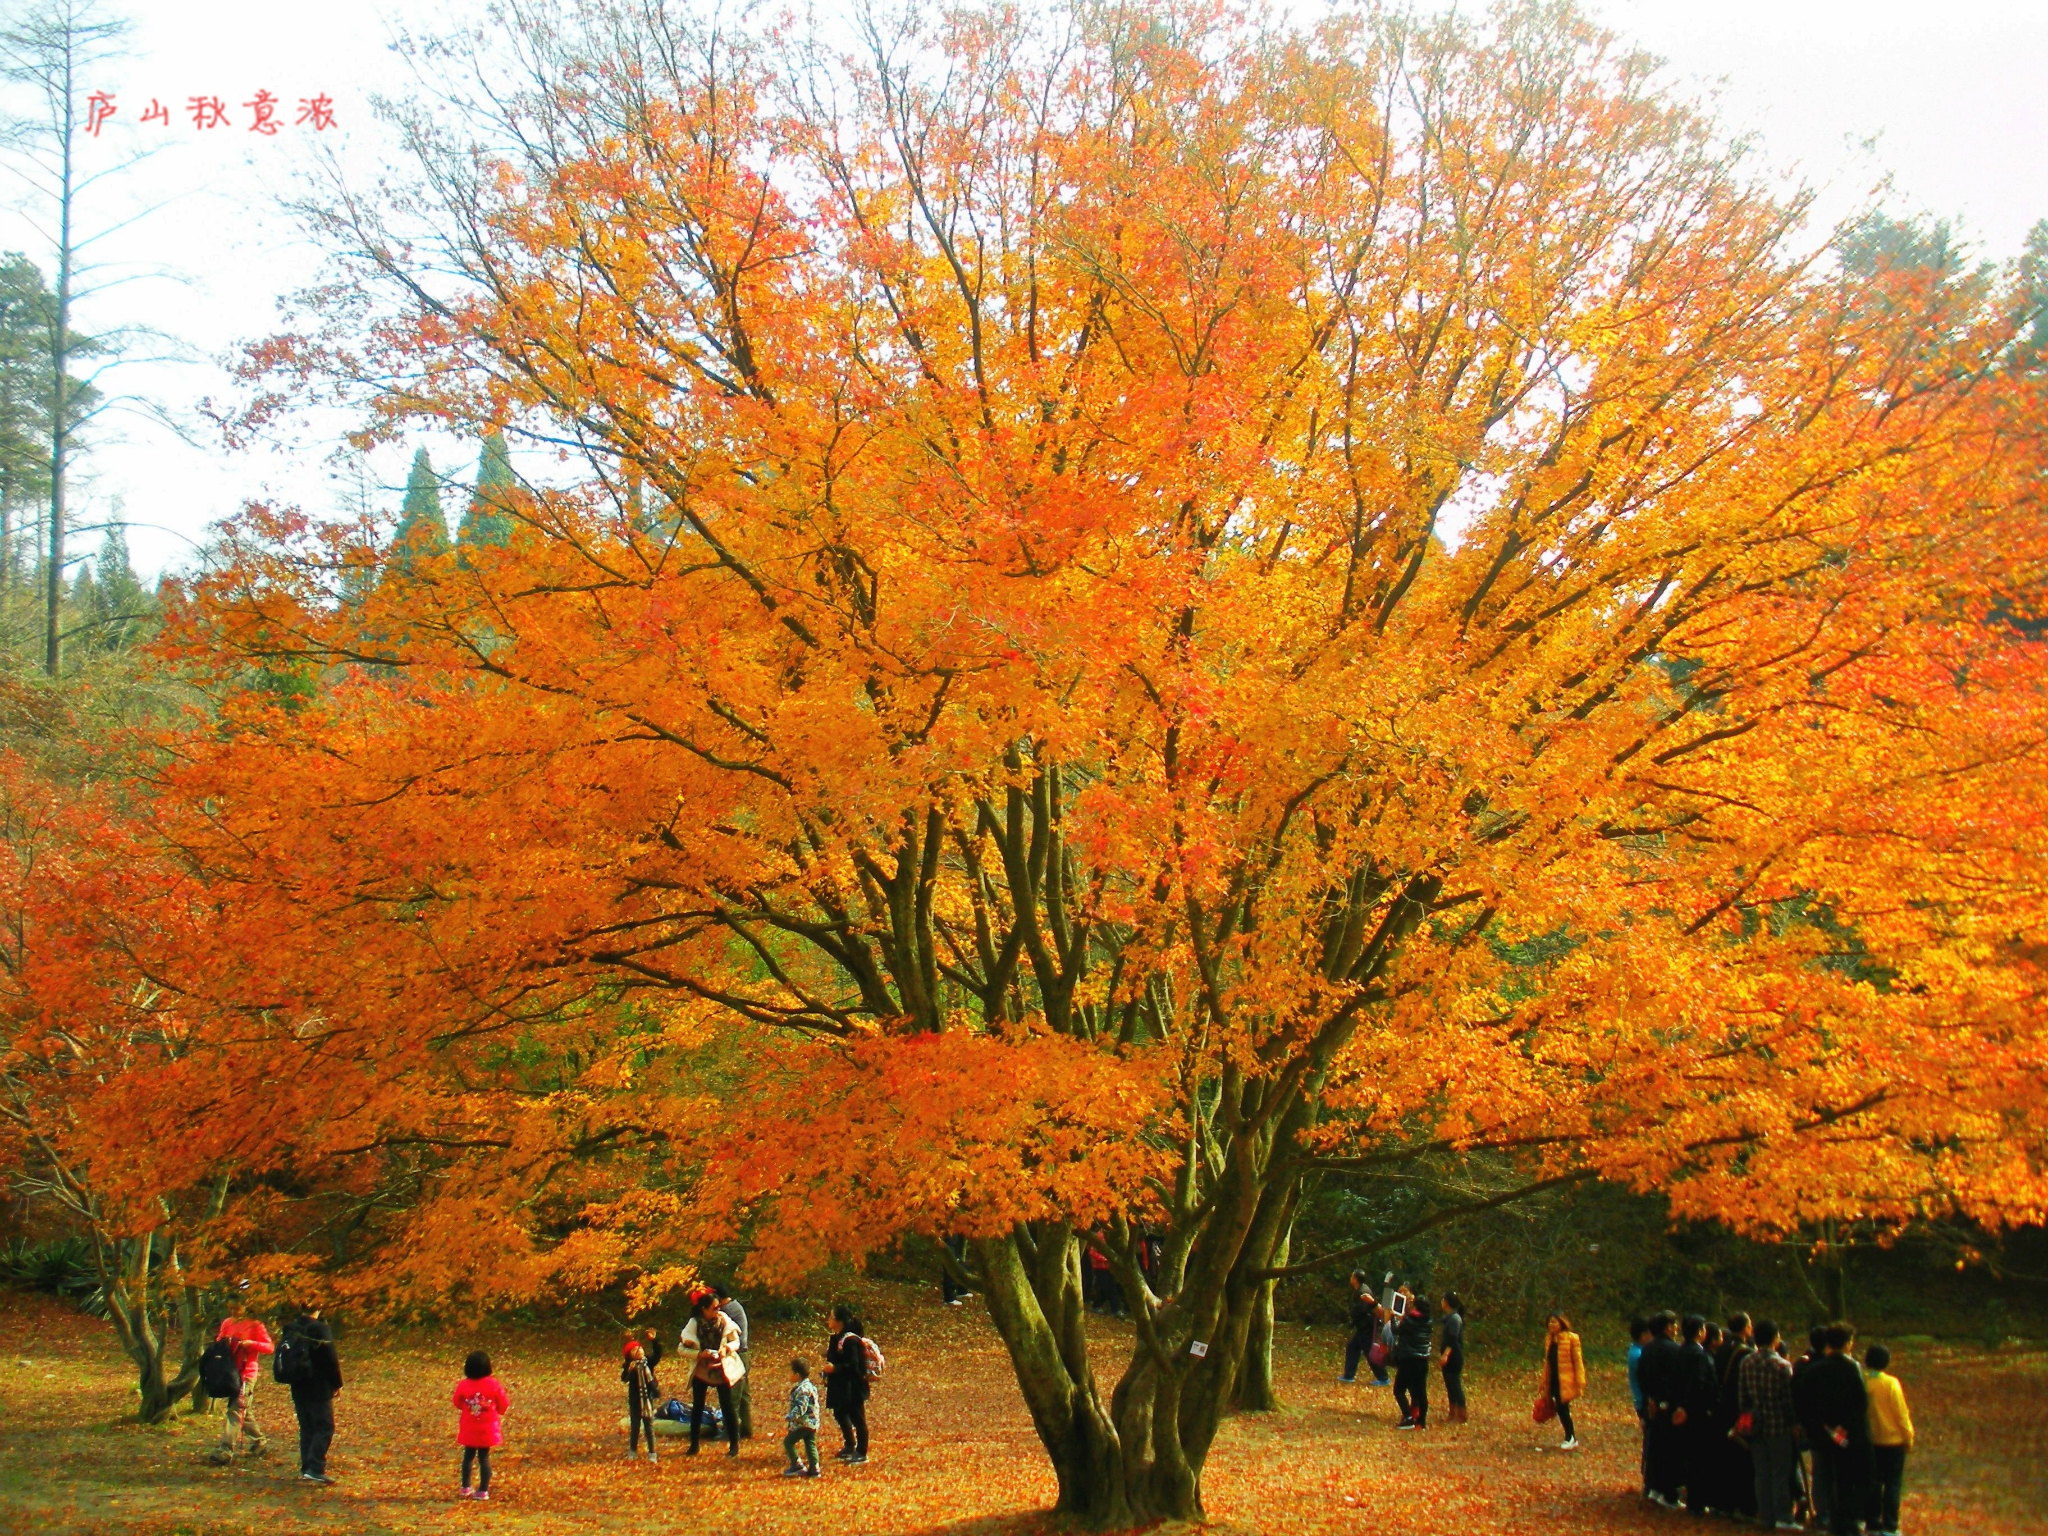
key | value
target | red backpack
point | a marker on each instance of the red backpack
(876, 1364)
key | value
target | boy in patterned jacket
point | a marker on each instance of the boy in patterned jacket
(802, 1418)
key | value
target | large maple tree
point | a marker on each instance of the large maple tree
(1132, 610)
(92, 1042)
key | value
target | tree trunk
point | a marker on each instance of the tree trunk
(60, 407)
(1824, 1272)
(1255, 1377)
(125, 1279)
(1834, 1276)
(1138, 1457)
(196, 1325)
(1033, 1281)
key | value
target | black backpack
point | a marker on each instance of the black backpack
(218, 1372)
(292, 1361)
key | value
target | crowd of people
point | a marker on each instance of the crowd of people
(715, 1342)
(1733, 1423)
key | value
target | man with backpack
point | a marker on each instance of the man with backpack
(228, 1369)
(306, 1363)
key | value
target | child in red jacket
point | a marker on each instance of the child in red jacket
(481, 1401)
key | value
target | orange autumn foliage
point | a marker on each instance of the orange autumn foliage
(1157, 615)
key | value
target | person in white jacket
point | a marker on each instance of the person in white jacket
(711, 1342)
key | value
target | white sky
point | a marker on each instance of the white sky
(1954, 94)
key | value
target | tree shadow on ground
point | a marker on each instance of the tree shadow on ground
(1044, 1523)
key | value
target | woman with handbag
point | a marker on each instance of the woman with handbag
(711, 1341)
(1564, 1377)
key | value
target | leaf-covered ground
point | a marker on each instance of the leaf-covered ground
(953, 1449)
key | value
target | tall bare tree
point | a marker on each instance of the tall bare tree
(52, 50)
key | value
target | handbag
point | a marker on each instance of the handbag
(1546, 1410)
(1376, 1354)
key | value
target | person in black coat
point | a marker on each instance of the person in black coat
(643, 1391)
(1840, 1404)
(1411, 1363)
(1364, 1319)
(1698, 1393)
(846, 1383)
(1658, 1374)
(1821, 1483)
(1735, 1487)
(314, 1386)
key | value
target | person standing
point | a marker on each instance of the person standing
(1735, 1480)
(1364, 1319)
(1820, 1483)
(481, 1404)
(1699, 1393)
(1451, 1341)
(643, 1393)
(950, 1290)
(846, 1383)
(1664, 1424)
(1638, 1340)
(1841, 1409)
(1763, 1395)
(1382, 1360)
(711, 1343)
(1891, 1436)
(1564, 1373)
(1379, 1358)
(250, 1341)
(314, 1384)
(742, 1390)
(1411, 1362)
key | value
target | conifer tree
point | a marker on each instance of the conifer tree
(422, 528)
(117, 608)
(487, 521)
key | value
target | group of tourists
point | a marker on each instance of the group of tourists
(1397, 1332)
(303, 1360)
(1732, 1422)
(715, 1341)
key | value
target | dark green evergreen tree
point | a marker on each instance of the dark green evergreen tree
(489, 518)
(115, 610)
(25, 302)
(2034, 273)
(422, 527)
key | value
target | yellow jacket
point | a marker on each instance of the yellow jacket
(1571, 1368)
(1890, 1423)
